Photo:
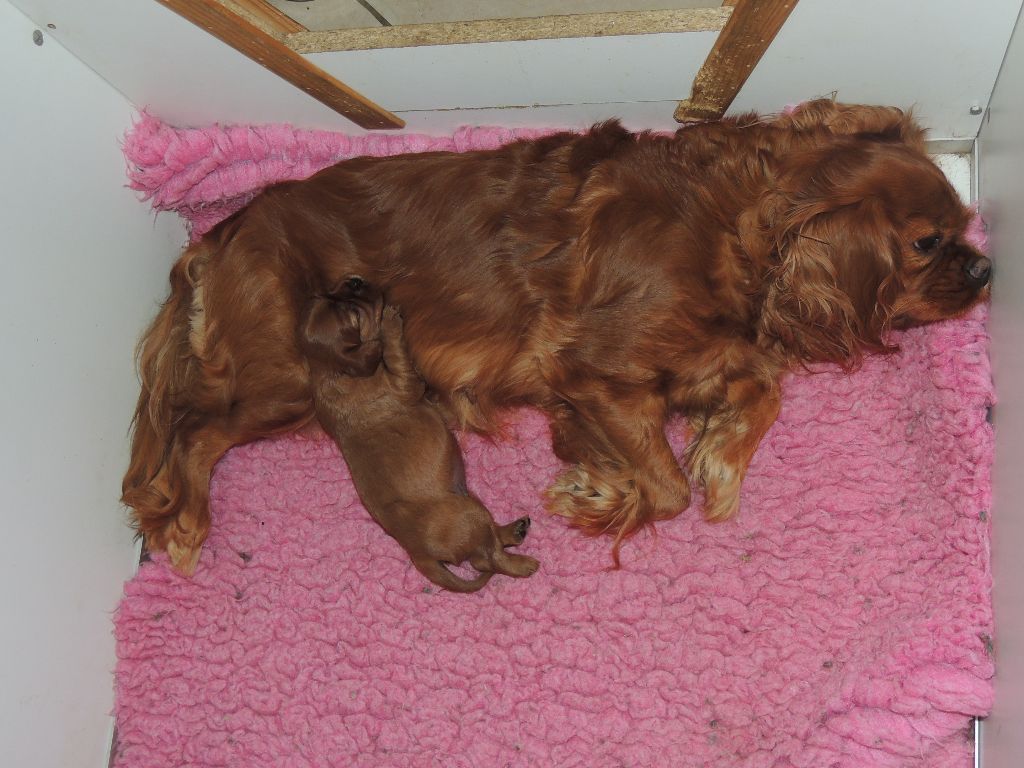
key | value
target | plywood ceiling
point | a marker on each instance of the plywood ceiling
(320, 15)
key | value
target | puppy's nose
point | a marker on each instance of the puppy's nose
(978, 270)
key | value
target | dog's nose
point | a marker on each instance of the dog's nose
(978, 270)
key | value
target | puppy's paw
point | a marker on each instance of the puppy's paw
(512, 535)
(517, 566)
(392, 316)
(528, 566)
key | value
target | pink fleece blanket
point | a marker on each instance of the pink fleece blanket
(842, 620)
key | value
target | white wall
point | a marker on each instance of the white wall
(940, 55)
(83, 264)
(1001, 185)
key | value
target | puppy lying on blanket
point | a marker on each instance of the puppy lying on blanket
(405, 464)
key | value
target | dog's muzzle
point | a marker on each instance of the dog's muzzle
(978, 271)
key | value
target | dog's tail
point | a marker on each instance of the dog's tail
(438, 573)
(167, 367)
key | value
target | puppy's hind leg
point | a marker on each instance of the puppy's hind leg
(518, 566)
(440, 575)
(511, 535)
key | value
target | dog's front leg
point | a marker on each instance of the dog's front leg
(396, 358)
(626, 474)
(724, 441)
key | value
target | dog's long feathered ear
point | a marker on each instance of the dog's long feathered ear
(829, 278)
(339, 335)
(884, 123)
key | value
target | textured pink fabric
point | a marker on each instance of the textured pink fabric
(206, 174)
(843, 619)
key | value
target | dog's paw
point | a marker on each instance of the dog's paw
(578, 489)
(184, 555)
(518, 566)
(598, 506)
(529, 566)
(512, 534)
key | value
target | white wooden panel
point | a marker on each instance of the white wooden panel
(957, 168)
(939, 56)
(84, 264)
(534, 72)
(1001, 183)
(160, 61)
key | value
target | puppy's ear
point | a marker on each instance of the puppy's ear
(829, 277)
(331, 334)
(884, 123)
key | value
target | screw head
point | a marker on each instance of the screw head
(37, 37)
(976, 109)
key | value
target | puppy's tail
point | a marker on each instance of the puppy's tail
(167, 368)
(440, 575)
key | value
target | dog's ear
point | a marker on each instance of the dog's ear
(882, 123)
(341, 335)
(829, 274)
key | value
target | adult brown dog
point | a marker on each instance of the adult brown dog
(405, 464)
(608, 278)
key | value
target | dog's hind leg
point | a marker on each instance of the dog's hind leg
(186, 518)
(184, 533)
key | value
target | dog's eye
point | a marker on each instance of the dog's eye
(355, 284)
(927, 244)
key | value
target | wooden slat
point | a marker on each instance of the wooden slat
(740, 46)
(225, 23)
(267, 17)
(505, 30)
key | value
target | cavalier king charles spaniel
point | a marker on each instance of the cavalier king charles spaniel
(609, 278)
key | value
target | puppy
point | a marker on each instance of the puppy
(611, 279)
(405, 464)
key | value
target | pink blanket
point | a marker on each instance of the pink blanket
(843, 619)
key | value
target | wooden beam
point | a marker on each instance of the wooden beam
(267, 17)
(222, 20)
(747, 35)
(504, 30)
